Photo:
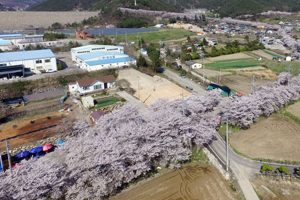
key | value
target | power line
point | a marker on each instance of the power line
(253, 83)
(289, 74)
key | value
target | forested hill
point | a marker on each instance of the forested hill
(67, 5)
(224, 7)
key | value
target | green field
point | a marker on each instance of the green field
(271, 53)
(233, 60)
(282, 66)
(106, 102)
(162, 34)
(232, 65)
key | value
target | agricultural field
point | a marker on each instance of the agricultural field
(230, 57)
(106, 102)
(263, 54)
(240, 84)
(193, 181)
(151, 88)
(231, 65)
(294, 109)
(276, 137)
(212, 73)
(38, 119)
(259, 74)
(162, 34)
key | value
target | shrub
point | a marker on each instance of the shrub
(267, 168)
(122, 99)
(59, 66)
(283, 169)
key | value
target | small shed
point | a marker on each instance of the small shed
(88, 102)
(96, 115)
(288, 58)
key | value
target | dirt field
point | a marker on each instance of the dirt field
(231, 56)
(151, 88)
(186, 26)
(194, 181)
(24, 125)
(275, 138)
(294, 109)
(263, 54)
(240, 84)
(211, 73)
(261, 74)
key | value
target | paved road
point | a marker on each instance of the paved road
(134, 101)
(184, 82)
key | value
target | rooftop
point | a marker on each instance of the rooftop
(26, 55)
(94, 46)
(97, 114)
(108, 61)
(5, 42)
(90, 81)
(12, 35)
(96, 54)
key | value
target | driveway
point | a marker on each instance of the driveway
(143, 110)
(184, 82)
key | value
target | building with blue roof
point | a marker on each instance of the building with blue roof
(32, 61)
(93, 48)
(98, 55)
(108, 63)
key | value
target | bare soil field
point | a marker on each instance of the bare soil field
(231, 56)
(268, 188)
(24, 125)
(193, 181)
(240, 84)
(247, 69)
(20, 20)
(211, 73)
(294, 109)
(261, 74)
(275, 138)
(186, 26)
(151, 88)
(263, 54)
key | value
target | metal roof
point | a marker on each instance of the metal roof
(12, 35)
(26, 55)
(109, 61)
(96, 54)
(94, 46)
(4, 42)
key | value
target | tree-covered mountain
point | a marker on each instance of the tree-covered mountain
(223, 7)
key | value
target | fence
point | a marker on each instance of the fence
(277, 175)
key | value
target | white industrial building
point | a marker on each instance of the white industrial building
(108, 63)
(33, 61)
(92, 48)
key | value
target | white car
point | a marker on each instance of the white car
(50, 70)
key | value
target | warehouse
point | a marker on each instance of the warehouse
(108, 63)
(34, 61)
(92, 48)
(98, 55)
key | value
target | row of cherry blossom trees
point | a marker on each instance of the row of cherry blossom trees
(264, 100)
(123, 146)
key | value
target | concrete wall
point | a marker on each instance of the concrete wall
(21, 20)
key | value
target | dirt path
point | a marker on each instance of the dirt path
(193, 181)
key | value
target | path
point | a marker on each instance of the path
(134, 101)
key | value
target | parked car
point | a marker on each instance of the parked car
(190, 88)
(50, 70)
(182, 75)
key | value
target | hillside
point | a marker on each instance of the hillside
(10, 5)
(58, 5)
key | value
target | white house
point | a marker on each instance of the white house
(33, 61)
(193, 65)
(288, 58)
(92, 84)
(92, 48)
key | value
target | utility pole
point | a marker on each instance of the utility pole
(182, 103)
(253, 83)
(126, 38)
(220, 76)
(1, 162)
(289, 74)
(138, 87)
(175, 2)
(227, 156)
(8, 156)
(203, 68)
(134, 2)
(137, 41)
(116, 33)
(168, 1)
